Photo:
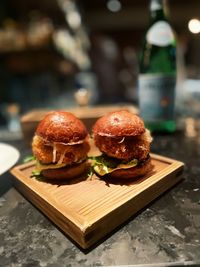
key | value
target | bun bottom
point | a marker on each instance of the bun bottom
(131, 173)
(68, 172)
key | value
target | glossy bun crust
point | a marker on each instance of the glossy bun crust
(119, 124)
(69, 172)
(134, 172)
(61, 127)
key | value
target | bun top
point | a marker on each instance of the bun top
(61, 127)
(119, 124)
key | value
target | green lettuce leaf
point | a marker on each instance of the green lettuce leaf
(36, 173)
(104, 165)
(29, 158)
(41, 167)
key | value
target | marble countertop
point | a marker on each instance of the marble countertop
(165, 233)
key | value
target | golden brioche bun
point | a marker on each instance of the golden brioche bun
(120, 123)
(61, 127)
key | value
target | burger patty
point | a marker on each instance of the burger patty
(59, 153)
(126, 148)
(66, 172)
(144, 167)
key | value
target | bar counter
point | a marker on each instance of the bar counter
(165, 233)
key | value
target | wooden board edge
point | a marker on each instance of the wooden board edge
(79, 220)
(165, 159)
(83, 233)
(31, 115)
(75, 218)
(66, 225)
(173, 169)
(95, 232)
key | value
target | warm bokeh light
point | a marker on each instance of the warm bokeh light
(194, 26)
(74, 19)
(190, 130)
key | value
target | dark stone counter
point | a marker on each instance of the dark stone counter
(166, 233)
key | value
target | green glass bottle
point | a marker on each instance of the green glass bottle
(157, 79)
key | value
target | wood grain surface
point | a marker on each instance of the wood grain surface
(87, 209)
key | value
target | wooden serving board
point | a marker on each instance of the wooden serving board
(88, 209)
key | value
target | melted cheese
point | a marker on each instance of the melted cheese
(102, 169)
(41, 167)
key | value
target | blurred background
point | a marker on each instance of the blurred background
(49, 49)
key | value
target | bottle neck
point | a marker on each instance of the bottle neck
(157, 11)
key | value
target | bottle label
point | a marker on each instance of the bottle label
(160, 34)
(157, 97)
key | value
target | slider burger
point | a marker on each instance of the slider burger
(125, 144)
(60, 146)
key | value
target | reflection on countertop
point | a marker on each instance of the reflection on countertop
(166, 233)
(6, 135)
